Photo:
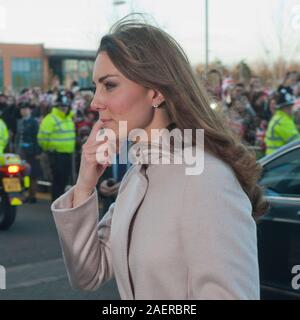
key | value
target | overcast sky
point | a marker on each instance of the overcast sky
(249, 30)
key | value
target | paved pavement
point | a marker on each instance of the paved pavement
(31, 254)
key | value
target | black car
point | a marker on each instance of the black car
(279, 230)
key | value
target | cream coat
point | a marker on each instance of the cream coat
(168, 236)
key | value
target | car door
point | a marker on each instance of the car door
(279, 230)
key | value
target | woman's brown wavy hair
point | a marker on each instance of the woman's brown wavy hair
(149, 56)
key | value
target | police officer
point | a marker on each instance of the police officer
(3, 136)
(282, 128)
(56, 136)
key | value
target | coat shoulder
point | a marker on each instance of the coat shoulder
(216, 177)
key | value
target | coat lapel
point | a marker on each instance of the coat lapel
(126, 204)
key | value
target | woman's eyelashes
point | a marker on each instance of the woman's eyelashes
(109, 85)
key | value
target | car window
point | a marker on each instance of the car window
(281, 177)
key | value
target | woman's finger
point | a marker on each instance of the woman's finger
(96, 128)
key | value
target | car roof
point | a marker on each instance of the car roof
(280, 151)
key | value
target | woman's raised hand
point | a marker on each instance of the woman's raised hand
(90, 168)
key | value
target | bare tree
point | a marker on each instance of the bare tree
(285, 41)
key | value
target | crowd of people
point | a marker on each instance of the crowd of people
(249, 110)
(48, 128)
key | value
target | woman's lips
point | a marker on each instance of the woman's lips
(106, 122)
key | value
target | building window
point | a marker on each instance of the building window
(78, 70)
(1, 76)
(26, 72)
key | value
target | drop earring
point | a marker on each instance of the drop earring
(155, 105)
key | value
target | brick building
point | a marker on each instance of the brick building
(31, 65)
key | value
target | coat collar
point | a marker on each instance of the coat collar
(154, 152)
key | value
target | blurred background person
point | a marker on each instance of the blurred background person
(26, 145)
(297, 119)
(84, 123)
(259, 103)
(9, 115)
(254, 86)
(57, 138)
(213, 84)
(242, 121)
(3, 136)
(110, 181)
(239, 93)
(272, 105)
(289, 82)
(282, 128)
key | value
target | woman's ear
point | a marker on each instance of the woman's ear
(157, 98)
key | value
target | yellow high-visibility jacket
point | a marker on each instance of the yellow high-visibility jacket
(4, 135)
(281, 130)
(57, 132)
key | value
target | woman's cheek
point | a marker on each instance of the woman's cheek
(120, 108)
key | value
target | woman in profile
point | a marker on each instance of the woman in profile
(168, 235)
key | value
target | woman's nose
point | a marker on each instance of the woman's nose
(97, 103)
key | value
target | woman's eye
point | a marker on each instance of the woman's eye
(109, 85)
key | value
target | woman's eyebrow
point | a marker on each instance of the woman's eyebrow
(101, 79)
